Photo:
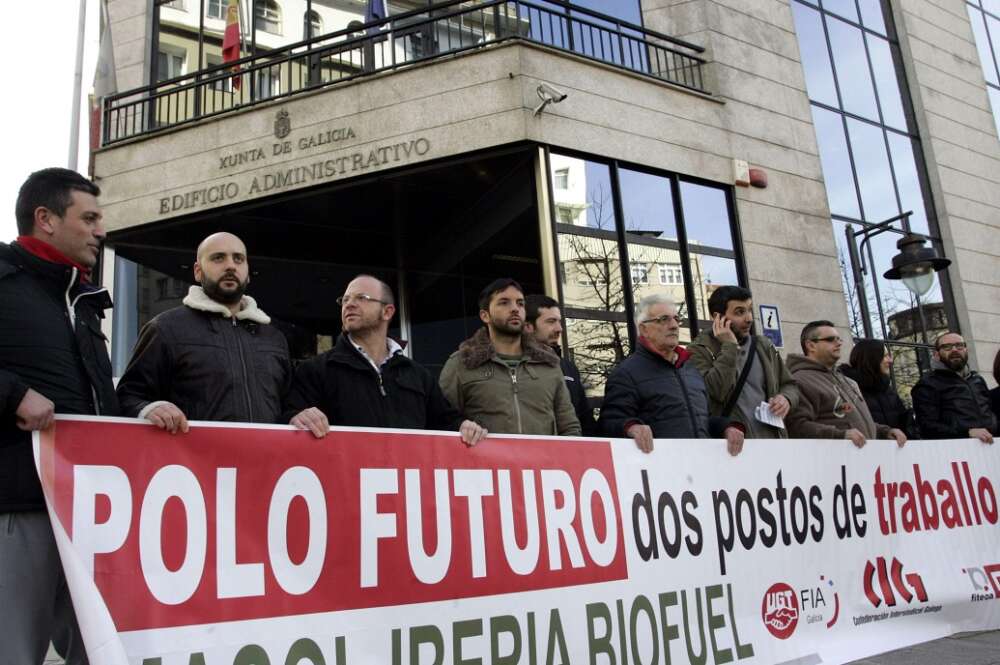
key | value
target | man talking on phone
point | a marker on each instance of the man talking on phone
(746, 378)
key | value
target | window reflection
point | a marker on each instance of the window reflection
(709, 273)
(836, 161)
(815, 56)
(843, 8)
(878, 199)
(706, 215)
(986, 29)
(871, 15)
(885, 80)
(647, 204)
(596, 347)
(855, 81)
(591, 273)
(910, 192)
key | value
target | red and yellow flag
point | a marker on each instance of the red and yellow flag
(231, 38)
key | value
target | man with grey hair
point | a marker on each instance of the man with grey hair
(655, 393)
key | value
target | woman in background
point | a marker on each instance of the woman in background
(869, 367)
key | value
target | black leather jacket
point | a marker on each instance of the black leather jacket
(51, 342)
(343, 384)
(948, 405)
(212, 367)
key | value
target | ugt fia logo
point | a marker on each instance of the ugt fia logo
(783, 608)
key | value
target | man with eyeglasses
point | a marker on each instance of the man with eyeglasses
(216, 357)
(831, 405)
(656, 393)
(365, 380)
(952, 401)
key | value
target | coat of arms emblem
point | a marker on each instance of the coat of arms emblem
(282, 124)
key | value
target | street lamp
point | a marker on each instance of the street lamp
(915, 266)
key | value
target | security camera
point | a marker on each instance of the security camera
(548, 95)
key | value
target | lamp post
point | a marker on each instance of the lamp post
(915, 266)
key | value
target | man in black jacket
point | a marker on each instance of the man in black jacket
(214, 358)
(53, 359)
(656, 393)
(365, 380)
(952, 401)
(543, 319)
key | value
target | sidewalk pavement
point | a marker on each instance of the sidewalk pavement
(981, 648)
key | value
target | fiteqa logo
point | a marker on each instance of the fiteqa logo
(780, 610)
(985, 582)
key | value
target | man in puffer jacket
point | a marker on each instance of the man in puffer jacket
(656, 393)
(831, 405)
(952, 401)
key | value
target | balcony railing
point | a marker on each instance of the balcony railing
(398, 41)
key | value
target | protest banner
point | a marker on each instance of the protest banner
(262, 545)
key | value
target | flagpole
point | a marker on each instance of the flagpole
(74, 129)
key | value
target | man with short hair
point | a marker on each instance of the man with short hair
(53, 359)
(216, 357)
(503, 378)
(365, 380)
(741, 370)
(544, 320)
(656, 393)
(952, 401)
(831, 405)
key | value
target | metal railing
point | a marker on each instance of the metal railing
(401, 40)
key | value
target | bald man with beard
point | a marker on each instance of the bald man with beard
(216, 357)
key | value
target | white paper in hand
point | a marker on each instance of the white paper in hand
(764, 414)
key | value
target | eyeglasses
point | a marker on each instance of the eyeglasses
(664, 319)
(358, 297)
(948, 347)
(832, 339)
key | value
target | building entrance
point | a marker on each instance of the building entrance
(437, 234)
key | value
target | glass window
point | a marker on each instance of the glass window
(562, 178)
(169, 65)
(978, 20)
(591, 273)
(815, 55)
(647, 204)
(596, 347)
(707, 274)
(886, 83)
(986, 29)
(706, 215)
(836, 160)
(910, 192)
(878, 199)
(856, 90)
(268, 14)
(312, 24)
(640, 273)
(671, 274)
(215, 8)
(871, 15)
(843, 8)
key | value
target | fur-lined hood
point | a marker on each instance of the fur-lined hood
(197, 299)
(478, 350)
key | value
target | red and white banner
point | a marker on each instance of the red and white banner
(253, 545)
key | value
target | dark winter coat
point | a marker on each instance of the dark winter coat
(948, 405)
(210, 364)
(343, 385)
(530, 399)
(51, 342)
(885, 404)
(577, 395)
(648, 389)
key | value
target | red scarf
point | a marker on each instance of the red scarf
(682, 353)
(47, 252)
